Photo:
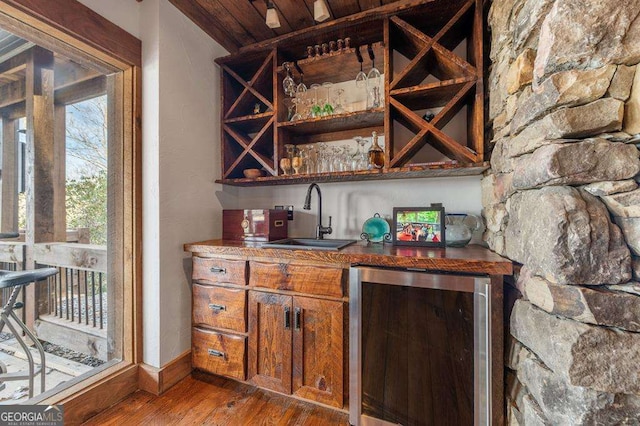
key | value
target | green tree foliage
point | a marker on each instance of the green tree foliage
(87, 167)
(87, 205)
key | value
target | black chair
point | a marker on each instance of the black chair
(18, 280)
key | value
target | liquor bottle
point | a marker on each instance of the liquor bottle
(376, 154)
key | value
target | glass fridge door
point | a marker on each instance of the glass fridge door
(418, 348)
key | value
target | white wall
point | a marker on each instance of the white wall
(188, 167)
(351, 203)
(180, 161)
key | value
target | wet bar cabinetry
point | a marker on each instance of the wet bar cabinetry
(278, 318)
(277, 325)
(431, 57)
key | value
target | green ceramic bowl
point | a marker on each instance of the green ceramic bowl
(376, 228)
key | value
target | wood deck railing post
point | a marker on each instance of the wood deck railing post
(40, 170)
(9, 177)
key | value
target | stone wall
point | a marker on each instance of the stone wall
(562, 198)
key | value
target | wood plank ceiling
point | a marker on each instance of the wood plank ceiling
(238, 23)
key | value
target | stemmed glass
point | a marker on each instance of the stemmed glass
(324, 159)
(290, 104)
(297, 163)
(374, 76)
(361, 77)
(373, 82)
(285, 165)
(338, 108)
(327, 108)
(335, 162)
(316, 109)
(298, 102)
(312, 159)
(288, 84)
(360, 160)
(345, 159)
(301, 88)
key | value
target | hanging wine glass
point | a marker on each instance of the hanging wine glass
(373, 82)
(301, 87)
(361, 77)
(374, 76)
(288, 84)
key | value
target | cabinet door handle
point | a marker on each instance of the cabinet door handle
(216, 353)
(217, 308)
(287, 318)
(297, 319)
(217, 270)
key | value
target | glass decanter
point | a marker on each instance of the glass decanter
(376, 154)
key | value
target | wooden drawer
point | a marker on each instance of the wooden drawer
(325, 280)
(218, 353)
(220, 307)
(215, 270)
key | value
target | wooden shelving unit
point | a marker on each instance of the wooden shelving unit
(336, 122)
(459, 84)
(435, 76)
(248, 137)
(451, 169)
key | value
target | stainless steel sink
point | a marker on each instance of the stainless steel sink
(308, 244)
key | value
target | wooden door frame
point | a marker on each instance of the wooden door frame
(74, 30)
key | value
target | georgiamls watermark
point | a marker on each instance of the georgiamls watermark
(31, 415)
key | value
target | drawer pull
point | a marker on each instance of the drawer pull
(217, 308)
(287, 318)
(297, 319)
(217, 270)
(216, 353)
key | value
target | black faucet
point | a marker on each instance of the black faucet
(320, 230)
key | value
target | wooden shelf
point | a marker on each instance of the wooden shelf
(338, 66)
(252, 122)
(432, 95)
(450, 169)
(336, 122)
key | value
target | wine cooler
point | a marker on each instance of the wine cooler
(419, 348)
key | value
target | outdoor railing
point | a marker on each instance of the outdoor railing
(78, 296)
(78, 292)
(11, 259)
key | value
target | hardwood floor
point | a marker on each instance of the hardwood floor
(216, 402)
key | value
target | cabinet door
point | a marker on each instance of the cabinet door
(318, 360)
(270, 322)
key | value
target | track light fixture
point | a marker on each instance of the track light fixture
(320, 11)
(272, 16)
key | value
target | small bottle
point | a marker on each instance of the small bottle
(428, 116)
(376, 154)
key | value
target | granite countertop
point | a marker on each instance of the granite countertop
(470, 259)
